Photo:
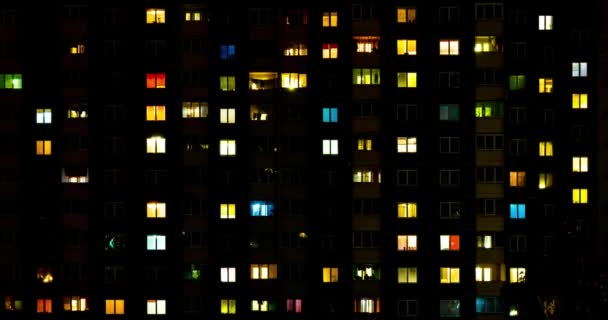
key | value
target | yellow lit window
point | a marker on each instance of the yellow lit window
(330, 274)
(330, 19)
(366, 76)
(44, 275)
(485, 44)
(227, 83)
(367, 44)
(193, 15)
(579, 101)
(77, 49)
(228, 274)
(517, 179)
(227, 115)
(366, 176)
(195, 109)
(406, 46)
(579, 196)
(75, 304)
(155, 145)
(406, 80)
(545, 149)
(115, 306)
(228, 306)
(407, 242)
(406, 15)
(155, 113)
(293, 80)
(580, 164)
(364, 144)
(517, 275)
(448, 47)
(407, 210)
(227, 211)
(156, 209)
(44, 306)
(227, 148)
(155, 16)
(43, 147)
(545, 85)
(483, 274)
(449, 275)
(545, 180)
(154, 306)
(259, 305)
(407, 275)
(263, 271)
(330, 51)
(406, 145)
(296, 49)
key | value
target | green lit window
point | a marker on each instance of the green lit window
(10, 81)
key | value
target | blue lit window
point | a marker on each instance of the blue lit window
(330, 114)
(448, 112)
(262, 209)
(227, 51)
(517, 211)
(488, 305)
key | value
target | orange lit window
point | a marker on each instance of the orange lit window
(44, 306)
(155, 80)
(77, 49)
(367, 44)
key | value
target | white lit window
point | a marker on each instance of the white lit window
(259, 305)
(75, 303)
(449, 242)
(448, 47)
(330, 51)
(483, 274)
(227, 115)
(545, 22)
(227, 211)
(227, 147)
(193, 109)
(579, 69)
(406, 145)
(156, 210)
(155, 145)
(228, 274)
(407, 242)
(330, 147)
(156, 307)
(155, 242)
(580, 164)
(44, 116)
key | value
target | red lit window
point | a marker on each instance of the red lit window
(450, 242)
(155, 80)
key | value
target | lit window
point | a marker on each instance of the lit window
(406, 47)
(44, 116)
(486, 44)
(367, 44)
(545, 22)
(407, 275)
(227, 51)
(155, 145)
(155, 16)
(517, 179)
(155, 113)
(228, 306)
(261, 209)
(228, 274)
(579, 69)
(545, 180)
(294, 305)
(115, 306)
(75, 175)
(406, 145)
(227, 83)
(407, 209)
(330, 19)
(407, 242)
(580, 164)
(75, 303)
(330, 274)
(449, 112)
(579, 101)
(227, 211)
(545, 149)
(296, 49)
(260, 112)
(77, 49)
(192, 15)
(156, 209)
(330, 51)
(44, 306)
(367, 305)
(366, 76)
(77, 111)
(517, 82)
(449, 242)
(366, 176)
(193, 271)
(227, 148)
(262, 80)
(517, 275)
(43, 147)
(545, 85)
(293, 80)
(191, 109)
(448, 47)
(44, 275)
(261, 306)
(449, 275)
(156, 242)
(364, 145)
(485, 241)
(406, 79)
(227, 115)
(156, 306)
(517, 210)
(330, 147)
(330, 115)
(483, 274)
(10, 81)
(155, 80)
(263, 271)
(579, 196)
(488, 109)
(406, 15)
